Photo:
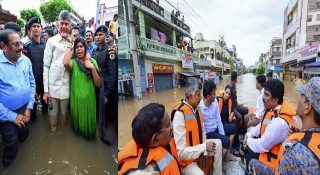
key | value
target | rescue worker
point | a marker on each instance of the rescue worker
(300, 154)
(189, 142)
(35, 51)
(107, 60)
(263, 141)
(145, 154)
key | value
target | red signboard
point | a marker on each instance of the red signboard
(150, 82)
(162, 68)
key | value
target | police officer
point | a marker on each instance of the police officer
(107, 62)
(34, 51)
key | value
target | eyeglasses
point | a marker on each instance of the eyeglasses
(16, 44)
(170, 127)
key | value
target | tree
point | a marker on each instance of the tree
(26, 14)
(51, 10)
(20, 22)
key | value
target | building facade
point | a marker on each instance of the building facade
(106, 13)
(301, 33)
(157, 35)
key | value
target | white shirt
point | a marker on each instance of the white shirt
(55, 75)
(179, 132)
(260, 109)
(276, 132)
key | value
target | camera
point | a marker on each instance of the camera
(50, 106)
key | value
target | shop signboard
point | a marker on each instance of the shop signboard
(309, 51)
(187, 61)
(162, 68)
(125, 70)
(150, 82)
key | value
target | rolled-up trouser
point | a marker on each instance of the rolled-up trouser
(11, 135)
(58, 105)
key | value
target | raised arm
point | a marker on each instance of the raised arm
(67, 57)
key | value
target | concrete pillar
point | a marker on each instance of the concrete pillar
(142, 24)
(174, 38)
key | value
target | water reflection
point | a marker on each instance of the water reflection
(63, 153)
(246, 89)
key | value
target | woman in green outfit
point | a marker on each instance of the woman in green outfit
(84, 79)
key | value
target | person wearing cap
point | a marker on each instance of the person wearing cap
(300, 154)
(112, 56)
(107, 62)
(35, 51)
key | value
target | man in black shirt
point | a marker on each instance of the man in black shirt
(34, 51)
(107, 60)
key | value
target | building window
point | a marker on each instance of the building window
(318, 17)
(290, 17)
(310, 18)
(318, 5)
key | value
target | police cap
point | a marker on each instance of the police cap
(34, 20)
(102, 28)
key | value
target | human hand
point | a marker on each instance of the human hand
(88, 64)
(293, 129)
(19, 120)
(27, 113)
(210, 146)
(232, 117)
(105, 99)
(46, 97)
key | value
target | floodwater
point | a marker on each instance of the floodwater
(246, 91)
(63, 153)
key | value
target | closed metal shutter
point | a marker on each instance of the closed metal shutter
(163, 81)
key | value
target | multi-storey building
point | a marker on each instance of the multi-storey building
(106, 13)
(301, 33)
(273, 62)
(158, 35)
(217, 58)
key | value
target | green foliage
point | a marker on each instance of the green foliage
(26, 14)
(51, 10)
(259, 70)
(20, 22)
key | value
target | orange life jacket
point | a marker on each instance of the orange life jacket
(309, 139)
(220, 103)
(287, 113)
(132, 158)
(193, 124)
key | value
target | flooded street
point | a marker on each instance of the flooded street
(246, 90)
(63, 153)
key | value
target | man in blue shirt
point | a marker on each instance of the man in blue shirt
(212, 120)
(91, 44)
(17, 91)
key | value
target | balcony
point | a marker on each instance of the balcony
(152, 6)
(292, 27)
(156, 11)
(156, 49)
(276, 53)
(179, 23)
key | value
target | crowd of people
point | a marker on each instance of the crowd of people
(206, 125)
(73, 71)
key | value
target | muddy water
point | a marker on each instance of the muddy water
(63, 153)
(246, 89)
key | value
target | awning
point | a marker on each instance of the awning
(314, 64)
(189, 74)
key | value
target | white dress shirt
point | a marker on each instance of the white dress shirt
(276, 132)
(179, 132)
(55, 75)
(260, 109)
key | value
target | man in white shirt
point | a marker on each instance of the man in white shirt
(263, 141)
(255, 118)
(55, 76)
(192, 145)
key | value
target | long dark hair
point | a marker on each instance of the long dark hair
(80, 65)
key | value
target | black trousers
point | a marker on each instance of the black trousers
(11, 135)
(40, 92)
(112, 110)
(251, 155)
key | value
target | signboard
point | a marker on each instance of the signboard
(125, 70)
(176, 78)
(150, 82)
(162, 68)
(187, 61)
(309, 51)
